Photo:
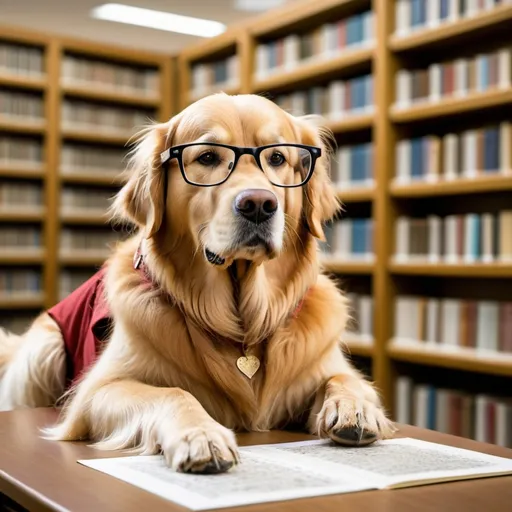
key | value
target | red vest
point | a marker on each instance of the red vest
(84, 321)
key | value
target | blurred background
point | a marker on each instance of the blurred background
(418, 95)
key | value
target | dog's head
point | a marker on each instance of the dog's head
(228, 200)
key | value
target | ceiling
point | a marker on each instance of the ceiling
(71, 18)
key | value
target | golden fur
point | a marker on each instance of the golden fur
(167, 379)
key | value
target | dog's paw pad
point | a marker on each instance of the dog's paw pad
(353, 435)
(212, 467)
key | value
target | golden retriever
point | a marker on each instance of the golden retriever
(225, 277)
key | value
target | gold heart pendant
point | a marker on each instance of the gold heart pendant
(248, 365)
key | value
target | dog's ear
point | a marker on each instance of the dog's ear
(142, 199)
(320, 200)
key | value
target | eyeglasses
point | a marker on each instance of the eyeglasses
(211, 164)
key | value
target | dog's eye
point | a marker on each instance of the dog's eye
(276, 159)
(208, 158)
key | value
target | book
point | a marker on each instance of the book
(305, 469)
(86, 158)
(77, 71)
(469, 238)
(429, 14)
(454, 324)
(473, 74)
(484, 418)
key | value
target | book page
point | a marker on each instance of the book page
(257, 479)
(394, 462)
(305, 469)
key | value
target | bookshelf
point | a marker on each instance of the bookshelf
(118, 83)
(385, 126)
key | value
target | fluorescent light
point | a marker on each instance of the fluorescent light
(258, 5)
(158, 19)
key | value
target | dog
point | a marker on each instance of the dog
(214, 317)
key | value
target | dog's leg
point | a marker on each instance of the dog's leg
(348, 410)
(129, 414)
(32, 366)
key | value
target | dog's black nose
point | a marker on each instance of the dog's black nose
(256, 204)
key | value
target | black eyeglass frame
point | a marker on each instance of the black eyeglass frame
(177, 152)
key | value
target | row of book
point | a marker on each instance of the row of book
(85, 157)
(21, 105)
(450, 323)
(73, 198)
(360, 326)
(87, 240)
(108, 75)
(468, 154)
(20, 238)
(19, 194)
(91, 116)
(20, 283)
(323, 42)
(455, 78)
(333, 100)
(209, 76)
(70, 280)
(353, 165)
(469, 238)
(20, 151)
(21, 60)
(350, 239)
(411, 15)
(481, 417)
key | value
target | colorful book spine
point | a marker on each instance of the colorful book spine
(468, 154)
(411, 15)
(455, 239)
(353, 166)
(350, 239)
(457, 323)
(324, 41)
(481, 417)
(460, 77)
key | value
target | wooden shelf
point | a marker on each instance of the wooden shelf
(91, 136)
(351, 123)
(355, 195)
(499, 364)
(21, 172)
(13, 303)
(93, 92)
(494, 270)
(19, 215)
(316, 68)
(83, 218)
(14, 125)
(32, 83)
(93, 178)
(83, 260)
(452, 106)
(21, 258)
(451, 31)
(356, 347)
(483, 183)
(339, 266)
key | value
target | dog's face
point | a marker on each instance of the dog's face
(246, 216)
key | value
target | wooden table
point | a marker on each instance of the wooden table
(44, 475)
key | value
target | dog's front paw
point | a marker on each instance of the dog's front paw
(207, 449)
(353, 421)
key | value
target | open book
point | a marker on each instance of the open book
(305, 469)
